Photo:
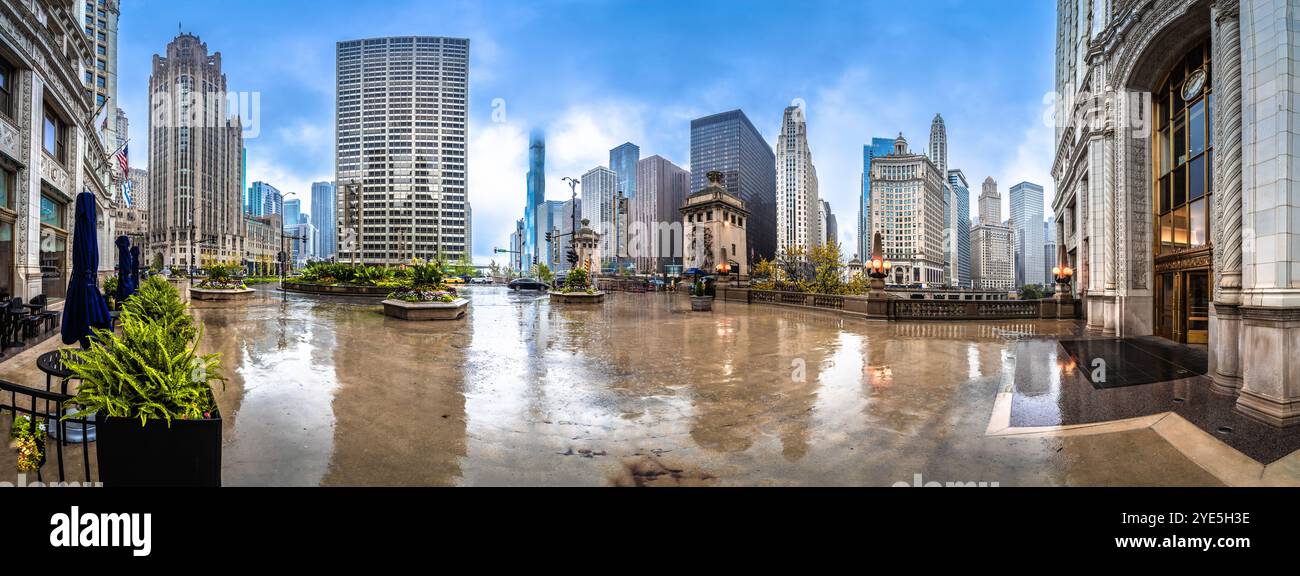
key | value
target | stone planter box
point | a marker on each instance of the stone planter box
(372, 291)
(211, 295)
(701, 303)
(426, 311)
(577, 298)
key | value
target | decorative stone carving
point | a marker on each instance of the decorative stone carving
(1227, 157)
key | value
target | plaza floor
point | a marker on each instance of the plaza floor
(641, 391)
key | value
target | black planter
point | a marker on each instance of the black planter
(188, 454)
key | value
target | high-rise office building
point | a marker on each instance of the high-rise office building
(961, 229)
(599, 193)
(402, 129)
(655, 237)
(798, 207)
(829, 224)
(730, 144)
(196, 151)
(878, 147)
(535, 196)
(548, 221)
(623, 161)
(939, 144)
(292, 212)
(907, 208)
(517, 247)
(993, 256)
(1049, 252)
(99, 21)
(990, 202)
(322, 217)
(263, 199)
(1027, 220)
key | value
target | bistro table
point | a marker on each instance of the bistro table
(16, 316)
(51, 363)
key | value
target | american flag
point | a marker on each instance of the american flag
(124, 162)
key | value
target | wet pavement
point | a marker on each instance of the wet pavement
(641, 391)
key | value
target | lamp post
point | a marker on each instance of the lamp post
(1064, 275)
(877, 267)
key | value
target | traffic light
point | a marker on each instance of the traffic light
(572, 257)
(548, 236)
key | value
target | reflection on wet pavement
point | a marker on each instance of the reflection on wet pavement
(639, 391)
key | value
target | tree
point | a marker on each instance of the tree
(828, 271)
(1031, 292)
(494, 269)
(543, 272)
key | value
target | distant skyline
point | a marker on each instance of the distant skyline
(639, 73)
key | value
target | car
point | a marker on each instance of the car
(528, 284)
(480, 280)
(455, 280)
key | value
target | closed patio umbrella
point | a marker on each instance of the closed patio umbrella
(123, 268)
(133, 276)
(84, 308)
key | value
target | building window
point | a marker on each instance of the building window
(55, 136)
(1184, 186)
(7, 180)
(6, 89)
(54, 248)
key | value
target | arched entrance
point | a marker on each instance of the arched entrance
(1183, 196)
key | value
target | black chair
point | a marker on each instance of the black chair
(49, 319)
(25, 321)
(15, 315)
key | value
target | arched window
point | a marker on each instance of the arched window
(1184, 176)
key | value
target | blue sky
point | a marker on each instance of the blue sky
(596, 74)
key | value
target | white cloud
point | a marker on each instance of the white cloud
(498, 163)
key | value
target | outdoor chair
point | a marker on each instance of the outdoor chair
(25, 401)
(49, 319)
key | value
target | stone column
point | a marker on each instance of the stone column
(1225, 316)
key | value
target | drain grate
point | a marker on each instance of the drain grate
(1225, 430)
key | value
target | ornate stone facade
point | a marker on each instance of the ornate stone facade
(43, 53)
(1122, 66)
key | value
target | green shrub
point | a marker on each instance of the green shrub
(152, 370)
(427, 275)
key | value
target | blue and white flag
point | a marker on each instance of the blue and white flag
(126, 193)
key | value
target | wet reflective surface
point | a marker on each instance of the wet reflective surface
(638, 391)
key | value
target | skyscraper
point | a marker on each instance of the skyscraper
(548, 221)
(961, 193)
(1027, 220)
(569, 223)
(536, 195)
(322, 217)
(939, 144)
(798, 208)
(729, 143)
(263, 200)
(406, 153)
(829, 224)
(1049, 251)
(907, 209)
(990, 202)
(599, 190)
(878, 147)
(655, 238)
(195, 159)
(292, 212)
(100, 20)
(938, 153)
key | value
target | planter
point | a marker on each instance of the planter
(577, 298)
(369, 291)
(214, 295)
(426, 311)
(701, 303)
(187, 454)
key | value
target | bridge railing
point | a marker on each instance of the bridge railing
(901, 309)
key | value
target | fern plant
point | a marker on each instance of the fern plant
(152, 370)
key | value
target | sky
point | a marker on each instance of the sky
(597, 73)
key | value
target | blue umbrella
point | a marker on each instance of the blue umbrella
(84, 308)
(133, 277)
(123, 268)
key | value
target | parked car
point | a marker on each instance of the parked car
(480, 280)
(528, 284)
(455, 280)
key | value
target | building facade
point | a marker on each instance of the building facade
(570, 222)
(798, 206)
(1176, 198)
(1027, 220)
(99, 19)
(535, 196)
(993, 256)
(878, 147)
(961, 229)
(195, 160)
(729, 143)
(655, 238)
(1049, 253)
(907, 209)
(263, 199)
(599, 194)
(323, 218)
(714, 222)
(49, 150)
(829, 224)
(264, 245)
(132, 217)
(402, 133)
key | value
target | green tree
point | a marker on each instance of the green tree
(827, 269)
(1031, 292)
(543, 272)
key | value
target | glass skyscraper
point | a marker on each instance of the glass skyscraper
(1027, 220)
(533, 235)
(623, 161)
(878, 147)
(961, 194)
(322, 217)
(729, 143)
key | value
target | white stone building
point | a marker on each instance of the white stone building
(49, 148)
(907, 207)
(1178, 181)
(797, 204)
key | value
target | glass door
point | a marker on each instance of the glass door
(1165, 300)
(1198, 307)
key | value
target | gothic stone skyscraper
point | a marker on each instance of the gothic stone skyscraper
(1179, 219)
(798, 209)
(403, 105)
(195, 159)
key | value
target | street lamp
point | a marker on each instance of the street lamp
(877, 267)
